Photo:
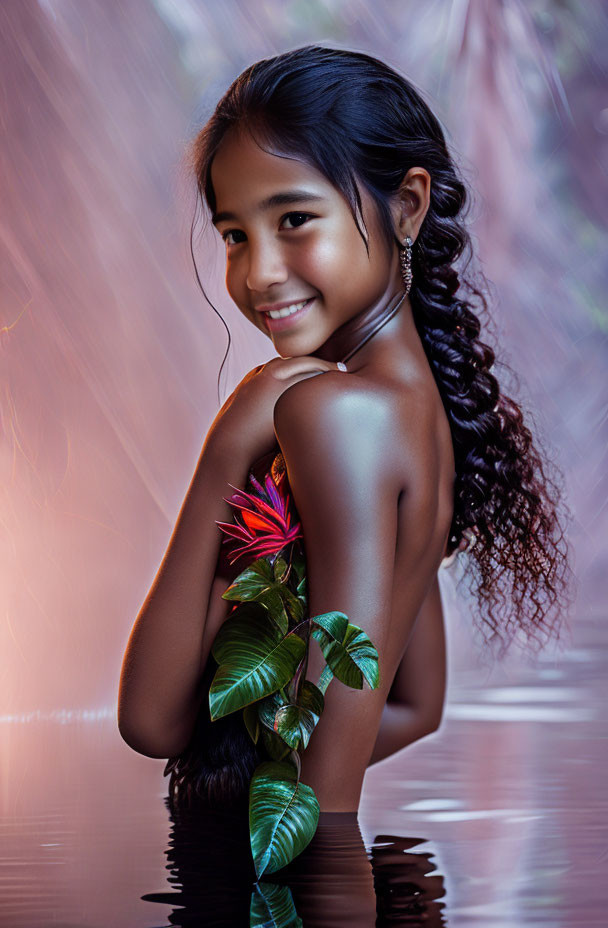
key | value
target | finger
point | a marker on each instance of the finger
(296, 366)
(309, 362)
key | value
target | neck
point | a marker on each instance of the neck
(354, 333)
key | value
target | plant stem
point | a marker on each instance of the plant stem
(298, 762)
(295, 683)
(303, 622)
(303, 675)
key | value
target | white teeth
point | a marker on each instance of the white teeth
(286, 311)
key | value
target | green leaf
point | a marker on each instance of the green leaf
(254, 660)
(259, 583)
(351, 659)
(325, 679)
(283, 816)
(285, 598)
(272, 598)
(294, 603)
(298, 562)
(280, 566)
(252, 721)
(251, 581)
(294, 723)
(224, 641)
(274, 744)
(311, 698)
(272, 906)
(268, 708)
(333, 623)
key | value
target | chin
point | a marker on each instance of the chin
(306, 350)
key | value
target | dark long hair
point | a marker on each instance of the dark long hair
(360, 123)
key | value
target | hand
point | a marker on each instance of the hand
(245, 423)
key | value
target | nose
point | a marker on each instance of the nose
(266, 266)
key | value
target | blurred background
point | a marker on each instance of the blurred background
(109, 359)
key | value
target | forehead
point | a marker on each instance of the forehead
(243, 173)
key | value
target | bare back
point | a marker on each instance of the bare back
(418, 453)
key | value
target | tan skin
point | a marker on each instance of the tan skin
(370, 463)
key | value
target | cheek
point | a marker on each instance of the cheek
(234, 279)
(236, 285)
(237, 290)
(337, 263)
(328, 259)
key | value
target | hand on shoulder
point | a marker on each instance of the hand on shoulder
(245, 423)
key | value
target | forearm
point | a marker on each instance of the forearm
(159, 685)
(400, 725)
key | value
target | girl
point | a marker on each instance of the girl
(328, 178)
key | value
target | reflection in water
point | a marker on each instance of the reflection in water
(335, 881)
(407, 892)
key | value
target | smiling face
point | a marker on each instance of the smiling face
(302, 244)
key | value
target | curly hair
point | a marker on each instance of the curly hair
(217, 764)
(508, 505)
(359, 122)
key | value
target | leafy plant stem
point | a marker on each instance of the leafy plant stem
(300, 675)
(296, 627)
(285, 575)
(303, 675)
(298, 762)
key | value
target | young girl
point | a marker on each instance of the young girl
(328, 178)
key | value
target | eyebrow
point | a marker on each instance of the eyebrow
(277, 199)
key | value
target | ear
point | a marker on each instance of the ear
(411, 203)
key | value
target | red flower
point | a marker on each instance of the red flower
(265, 526)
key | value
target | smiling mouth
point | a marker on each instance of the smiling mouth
(287, 310)
(282, 319)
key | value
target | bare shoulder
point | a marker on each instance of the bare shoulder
(344, 427)
(331, 394)
(367, 425)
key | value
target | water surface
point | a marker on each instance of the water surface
(498, 819)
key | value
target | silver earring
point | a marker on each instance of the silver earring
(406, 263)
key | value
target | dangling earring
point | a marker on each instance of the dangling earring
(406, 263)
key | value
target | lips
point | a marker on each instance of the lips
(274, 306)
(286, 322)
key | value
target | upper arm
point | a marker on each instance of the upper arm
(331, 438)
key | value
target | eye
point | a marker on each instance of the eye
(298, 216)
(230, 232)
